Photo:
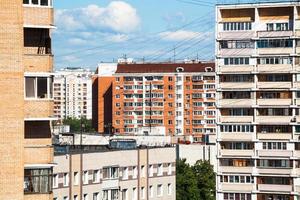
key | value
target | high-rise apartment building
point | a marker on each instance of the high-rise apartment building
(179, 97)
(73, 93)
(258, 93)
(26, 60)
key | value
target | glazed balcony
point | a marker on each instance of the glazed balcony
(236, 136)
(237, 187)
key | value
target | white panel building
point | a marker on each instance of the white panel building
(73, 93)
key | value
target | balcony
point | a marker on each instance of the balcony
(274, 136)
(274, 119)
(274, 85)
(236, 119)
(237, 187)
(236, 153)
(272, 34)
(275, 51)
(274, 171)
(38, 16)
(236, 68)
(229, 169)
(284, 68)
(236, 52)
(236, 136)
(237, 85)
(236, 103)
(236, 35)
(274, 102)
(275, 188)
(275, 153)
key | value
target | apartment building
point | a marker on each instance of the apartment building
(91, 173)
(258, 75)
(26, 99)
(177, 96)
(73, 93)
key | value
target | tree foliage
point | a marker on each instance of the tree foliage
(75, 124)
(195, 182)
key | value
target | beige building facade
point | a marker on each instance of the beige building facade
(258, 134)
(115, 174)
(26, 102)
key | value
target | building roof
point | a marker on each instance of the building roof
(165, 67)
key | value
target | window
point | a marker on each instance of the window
(85, 197)
(38, 180)
(105, 194)
(150, 170)
(96, 196)
(160, 170)
(114, 194)
(236, 61)
(275, 163)
(124, 194)
(134, 193)
(96, 176)
(55, 180)
(274, 61)
(110, 172)
(85, 177)
(236, 128)
(125, 173)
(143, 171)
(169, 168)
(274, 145)
(170, 78)
(236, 44)
(275, 43)
(237, 26)
(278, 26)
(76, 178)
(159, 190)
(117, 79)
(151, 191)
(66, 198)
(169, 189)
(66, 179)
(75, 197)
(38, 2)
(232, 196)
(237, 179)
(38, 87)
(135, 172)
(142, 192)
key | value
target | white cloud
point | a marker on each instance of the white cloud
(118, 16)
(77, 41)
(184, 35)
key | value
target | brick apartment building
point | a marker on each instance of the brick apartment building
(26, 154)
(177, 96)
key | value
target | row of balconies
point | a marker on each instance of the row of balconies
(258, 102)
(250, 187)
(259, 51)
(260, 119)
(281, 68)
(263, 153)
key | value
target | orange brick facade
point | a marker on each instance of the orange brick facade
(17, 152)
(161, 95)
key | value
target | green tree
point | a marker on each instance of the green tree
(186, 183)
(206, 181)
(75, 124)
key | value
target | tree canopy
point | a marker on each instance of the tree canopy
(195, 182)
(75, 124)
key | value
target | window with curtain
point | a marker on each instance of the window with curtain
(38, 180)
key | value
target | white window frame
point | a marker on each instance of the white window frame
(85, 177)
(169, 189)
(50, 4)
(125, 173)
(55, 180)
(160, 169)
(160, 190)
(66, 179)
(50, 90)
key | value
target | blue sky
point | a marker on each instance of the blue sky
(91, 31)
